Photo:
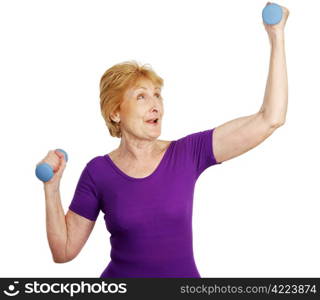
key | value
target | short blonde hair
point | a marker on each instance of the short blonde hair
(114, 83)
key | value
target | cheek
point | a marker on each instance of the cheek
(129, 112)
(135, 117)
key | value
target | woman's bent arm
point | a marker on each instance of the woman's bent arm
(66, 234)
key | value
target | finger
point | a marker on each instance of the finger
(58, 153)
(61, 168)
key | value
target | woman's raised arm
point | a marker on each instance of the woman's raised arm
(237, 136)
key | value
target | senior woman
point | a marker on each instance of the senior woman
(145, 187)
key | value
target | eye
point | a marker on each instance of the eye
(158, 95)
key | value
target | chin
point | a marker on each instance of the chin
(155, 134)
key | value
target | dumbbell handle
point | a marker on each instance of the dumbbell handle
(44, 171)
(272, 14)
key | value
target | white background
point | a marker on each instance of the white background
(254, 215)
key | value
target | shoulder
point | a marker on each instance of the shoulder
(93, 162)
(95, 168)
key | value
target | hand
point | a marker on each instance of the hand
(277, 29)
(57, 161)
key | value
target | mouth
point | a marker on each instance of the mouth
(153, 122)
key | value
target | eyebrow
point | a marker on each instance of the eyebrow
(142, 87)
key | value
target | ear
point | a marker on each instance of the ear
(115, 117)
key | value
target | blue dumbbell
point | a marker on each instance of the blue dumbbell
(44, 171)
(272, 14)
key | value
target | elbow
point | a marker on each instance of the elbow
(273, 121)
(58, 254)
(62, 260)
(61, 255)
(277, 124)
(59, 260)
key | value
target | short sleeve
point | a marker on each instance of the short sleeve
(85, 201)
(200, 148)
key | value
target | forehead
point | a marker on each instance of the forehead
(145, 84)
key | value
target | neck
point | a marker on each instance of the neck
(138, 150)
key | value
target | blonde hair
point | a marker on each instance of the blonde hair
(114, 83)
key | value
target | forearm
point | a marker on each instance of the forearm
(274, 107)
(56, 225)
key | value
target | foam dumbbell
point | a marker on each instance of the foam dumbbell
(44, 171)
(272, 14)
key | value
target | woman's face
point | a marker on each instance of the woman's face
(140, 104)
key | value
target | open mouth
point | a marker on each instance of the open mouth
(153, 121)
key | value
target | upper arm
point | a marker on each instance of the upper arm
(86, 201)
(196, 151)
(239, 136)
(82, 214)
(78, 231)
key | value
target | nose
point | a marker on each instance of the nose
(154, 104)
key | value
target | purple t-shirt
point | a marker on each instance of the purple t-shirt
(150, 218)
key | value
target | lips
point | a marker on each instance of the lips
(153, 121)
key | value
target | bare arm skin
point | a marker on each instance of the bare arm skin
(238, 136)
(66, 234)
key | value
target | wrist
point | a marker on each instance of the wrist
(277, 42)
(51, 190)
(277, 35)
